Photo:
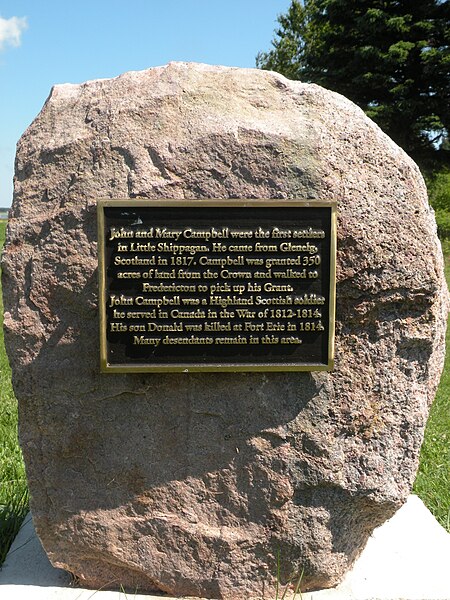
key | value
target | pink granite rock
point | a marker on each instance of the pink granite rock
(192, 484)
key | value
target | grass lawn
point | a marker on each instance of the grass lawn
(13, 486)
(433, 479)
(432, 483)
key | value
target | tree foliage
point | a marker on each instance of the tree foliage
(392, 58)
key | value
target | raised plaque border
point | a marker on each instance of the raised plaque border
(105, 367)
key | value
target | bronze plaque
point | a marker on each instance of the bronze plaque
(216, 285)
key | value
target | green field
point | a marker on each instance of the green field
(433, 479)
(432, 483)
(13, 486)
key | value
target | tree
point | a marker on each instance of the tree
(392, 58)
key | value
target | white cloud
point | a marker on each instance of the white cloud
(11, 30)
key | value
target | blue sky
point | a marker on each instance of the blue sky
(44, 43)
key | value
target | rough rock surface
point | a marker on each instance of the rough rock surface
(193, 484)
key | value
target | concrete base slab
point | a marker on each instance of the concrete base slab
(407, 558)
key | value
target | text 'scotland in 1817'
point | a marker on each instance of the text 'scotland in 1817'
(216, 285)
